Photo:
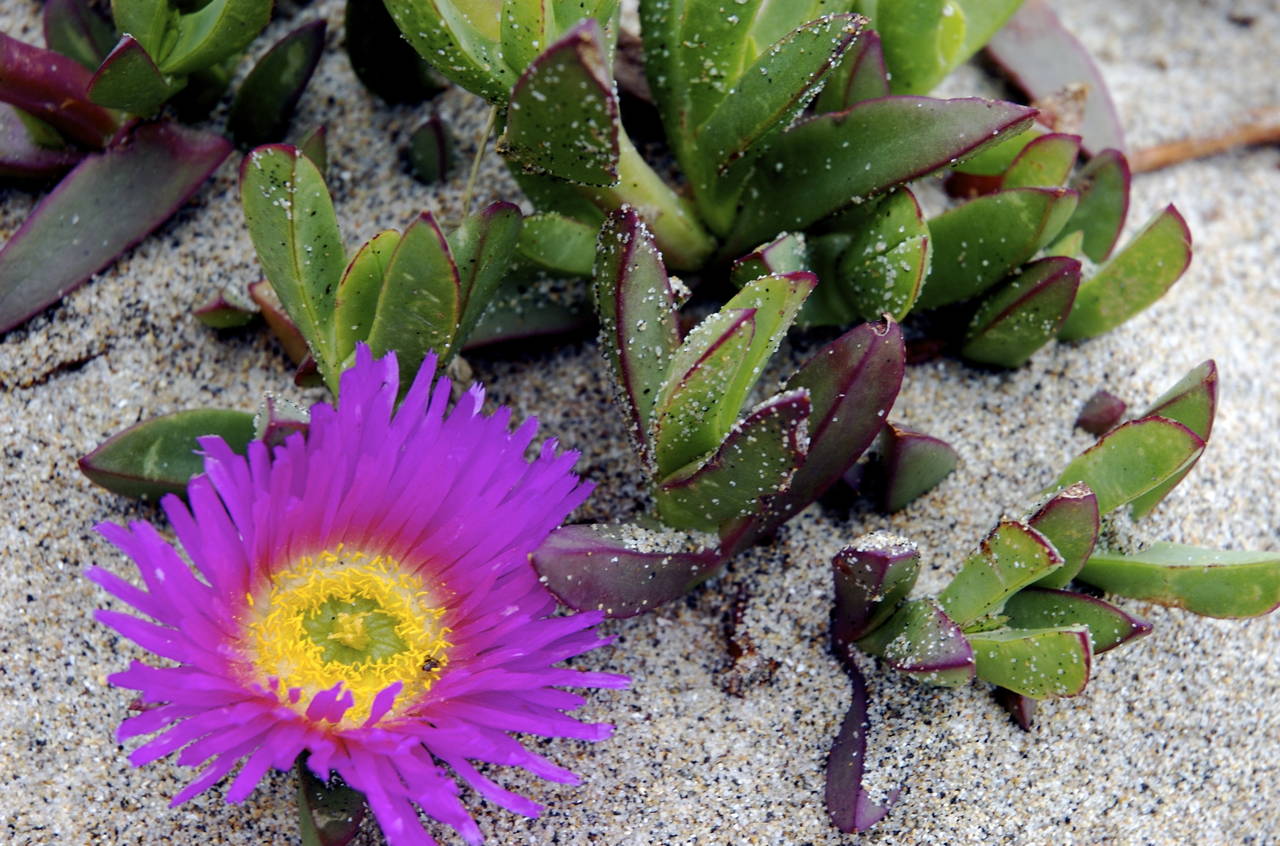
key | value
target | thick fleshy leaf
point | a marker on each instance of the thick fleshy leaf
(1044, 163)
(1039, 663)
(54, 89)
(130, 81)
(287, 333)
(1070, 522)
(463, 46)
(1133, 459)
(295, 232)
(218, 30)
(528, 27)
(314, 144)
(914, 463)
(636, 307)
(871, 578)
(852, 383)
(386, 63)
(848, 804)
(228, 310)
(784, 254)
(993, 160)
(149, 21)
(482, 248)
(1041, 608)
(76, 30)
(158, 456)
(1100, 413)
(1103, 184)
(977, 244)
(859, 76)
(431, 151)
(622, 570)
(21, 153)
(264, 103)
(558, 243)
(110, 202)
(924, 40)
(277, 419)
(923, 642)
(1193, 403)
(1210, 582)
(1021, 708)
(1024, 315)
(563, 118)
(1133, 279)
(1042, 57)
(1013, 556)
(329, 813)
(358, 292)
(808, 172)
(757, 458)
(532, 306)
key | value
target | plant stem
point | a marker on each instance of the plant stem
(1263, 128)
(481, 143)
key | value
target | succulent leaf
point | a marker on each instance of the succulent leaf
(531, 307)
(149, 21)
(1070, 522)
(130, 81)
(329, 813)
(1100, 413)
(860, 75)
(264, 103)
(1210, 582)
(314, 144)
(44, 84)
(872, 578)
(431, 151)
(461, 40)
(1013, 556)
(76, 30)
(1103, 184)
(1021, 708)
(1040, 663)
(526, 25)
(1045, 162)
(386, 63)
(1024, 315)
(287, 333)
(1041, 608)
(914, 463)
(1193, 403)
(23, 156)
(784, 254)
(218, 30)
(995, 159)
(921, 640)
(559, 243)
(482, 249)
(850, 807)
(228, 310)
(357, 300)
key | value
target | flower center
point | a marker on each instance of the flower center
(344, 616)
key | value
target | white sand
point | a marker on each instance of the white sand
(1177, 739)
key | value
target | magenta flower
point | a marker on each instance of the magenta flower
(366, 598)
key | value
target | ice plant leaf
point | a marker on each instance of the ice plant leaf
(563, 117)
(228, 310)
(872, 578)
(860, 75)
(897, 139)
(914, 463)
(528, 27)
(314, 144)
(431, 150)
(1021, 708)
(264, 103)
(329, 813)
(994, 159)
(358, 292)
(1013, 556)
(1041, 608)
(1133, 459)
(482, 248)
(295, 233)
(559, 243)
(1192, 402)
(218, 30)
(1042, 57)
(757, 458)
(1024, 315)
(1070, 522)
(1103, 185)
(108, 203)
(977, 244)
(1100, 413)
(848, 804)
(76, 30)
(1040, 663)
(159, 456)
(386, 63)
(464, 47)
(21, 154)
(1045, 162)
(636, 307)
(149, 21)
(784, 254)
(1210, 582)
(1133, 279)
(923, 642)
(130, 81)
(522, 312)
(923, 41)
(287, 333)
(53, 89)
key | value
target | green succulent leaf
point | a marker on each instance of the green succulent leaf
(1013, 556)
(329, 813)
(217, 31)
(150, 22)
(228, 310)
(995, 159)
(431, 151)
(130, 81)
(923, 642)
(286, 332)
(559, 243)
(76, 30)
(784, 254)
(923, 40)
(977, 244)
(1069, 521)
(461, 39)
(264, 103)
(860, 75)
(1103, 185)
(526, 25)
(914, 464)
(1039, 663)
(386, 63)
(1039, 608)
(1045, 162)
(1210, 582)
(1024, 315)
(358, 292)
(872, 578)
(1193, 403)
(314, 144)
(532, 305)
(159, 456)
(482, 249)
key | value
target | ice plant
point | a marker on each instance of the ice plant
(363, 603)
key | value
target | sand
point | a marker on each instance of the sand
(1176, 740)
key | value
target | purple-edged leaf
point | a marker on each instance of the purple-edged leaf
(54, 89)
(1041, 608)
(1210, 582)
(1133, 459)
(228, 310)
(277, 419)
(130, 81)
(431, 151)
(921, 640)
(1103, 184)
(1133, 279)
(528, 27)
(482, 248)
(76, 30)
(21, 154)
(757, 458)
(382, 59)
(859, 76)
(563, 117)
(314, 144)
(466, 48)
(852, 383)
(110, 202)
(914, 463)
(1100, 413)
(1042, 58)
(819, 165)
(558, 243)
(850, 807)
(622, 570)
(1024, 315)
(977, 244)
(159, 456)
(1192, 402)
(636, 307)
(329, 813)
(1021, 708)
(264, 103)
(1040, 663)
(925, 40)
(995, 159)
(871, 578)
(281, 324)
(1013, 556)
(1070, 522)
(784, 254)
(522, 311)
(149, 21)
(357, 300)
(1044, 163)
(216, 31)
